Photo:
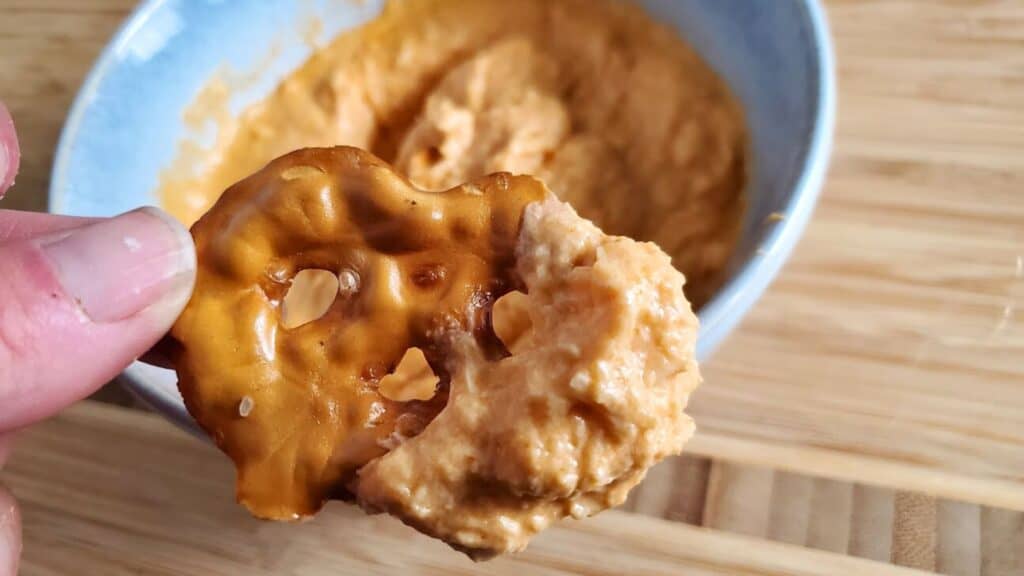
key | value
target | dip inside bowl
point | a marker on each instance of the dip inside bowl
(125, 133)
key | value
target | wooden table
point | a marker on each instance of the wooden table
(872, 404)
(110, 490)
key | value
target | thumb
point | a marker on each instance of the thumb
(78, 305)
(10, 534)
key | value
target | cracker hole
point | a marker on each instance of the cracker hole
(310, 296)
(510, 318)
(413, 379)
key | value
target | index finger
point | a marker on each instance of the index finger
(10, 154)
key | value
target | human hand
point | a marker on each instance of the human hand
(80, 299)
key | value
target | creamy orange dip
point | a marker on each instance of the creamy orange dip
(591, 396)
(611, 109)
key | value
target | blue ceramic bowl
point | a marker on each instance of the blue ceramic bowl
(123, 128)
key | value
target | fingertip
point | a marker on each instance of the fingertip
(142, 262)
(182, 235)
(165, 311)
(10, 155)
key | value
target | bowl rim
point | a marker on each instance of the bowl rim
(717, 318)
(748, 284)
(86, 95)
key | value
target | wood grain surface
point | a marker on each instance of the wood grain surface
(873, 400)
(903, 528)
(892, 345)
(891, 349)
(107, 490)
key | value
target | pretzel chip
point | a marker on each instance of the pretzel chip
(343, 342)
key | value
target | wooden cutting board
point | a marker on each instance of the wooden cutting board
(890, 351)
(107, 490)
(891, 348)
